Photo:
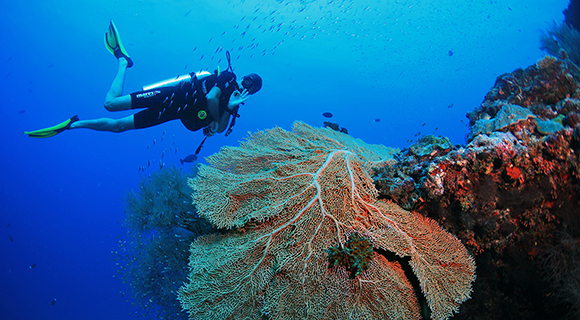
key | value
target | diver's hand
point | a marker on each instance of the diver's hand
(237, 98)
(208, 132)
(211, 129)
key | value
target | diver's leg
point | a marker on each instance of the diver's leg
(115, 101)
(106, 124)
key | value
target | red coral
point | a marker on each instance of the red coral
(515, 174)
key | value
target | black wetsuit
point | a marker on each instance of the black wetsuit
(186, 101)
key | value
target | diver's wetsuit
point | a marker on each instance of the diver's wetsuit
(186, 101)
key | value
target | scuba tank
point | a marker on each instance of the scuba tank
(174, 81)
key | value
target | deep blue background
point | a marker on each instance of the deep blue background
(61, 198)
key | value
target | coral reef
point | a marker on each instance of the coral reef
(161, 224)
(508, 115)
(289, 200)
(547, 89)
(510, 194)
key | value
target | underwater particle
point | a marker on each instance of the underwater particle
(11, 239)
(327, 115)
(21, 111)
(377, 120)
(450, 53)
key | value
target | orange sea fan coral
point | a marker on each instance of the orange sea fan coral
(288, 197)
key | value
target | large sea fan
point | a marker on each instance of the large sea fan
(287, 197)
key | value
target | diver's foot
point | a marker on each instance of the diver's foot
(114, 45)
(123, 59)
(123, 62)
(54, 130)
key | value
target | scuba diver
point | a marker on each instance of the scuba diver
(199, 100)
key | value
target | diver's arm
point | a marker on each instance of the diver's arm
(236, 98)
(223, 122)
(213, 105)
(213, 102)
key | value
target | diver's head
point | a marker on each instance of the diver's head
(252, 82)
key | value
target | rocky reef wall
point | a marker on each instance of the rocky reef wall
(512, 194)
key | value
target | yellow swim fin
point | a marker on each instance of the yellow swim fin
(114, 45)
(54, 130)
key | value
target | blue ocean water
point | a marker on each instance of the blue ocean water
(418, 66)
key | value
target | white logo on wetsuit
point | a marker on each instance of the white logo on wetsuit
(148, 94)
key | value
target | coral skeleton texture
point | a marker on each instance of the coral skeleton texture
(286, 198)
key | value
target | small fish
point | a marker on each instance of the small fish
(450, 106)
(32, 266)
(53, 302)
(187, 13)
(377, 120)
(327, 115)
(8, 225)
(423, 124)
(189, 159)
(450, 53)
(11, 239)
(418, 134)
(22, 111)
